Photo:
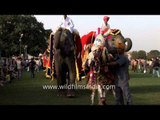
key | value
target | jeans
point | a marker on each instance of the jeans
(121, 93)
(19, 74)
(32, 73)
(155, 72)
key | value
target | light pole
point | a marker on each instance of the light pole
(25, 52)
(20, 43)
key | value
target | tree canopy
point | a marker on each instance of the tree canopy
(141, 54)
(34, 35)
(153, 54)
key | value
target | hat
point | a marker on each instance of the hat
(106, 18)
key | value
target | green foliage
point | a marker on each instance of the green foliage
(134, 55)
(142, 54)
(138, 54)
(34, 34)
(153, 54)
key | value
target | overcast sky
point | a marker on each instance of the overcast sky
(144, 30)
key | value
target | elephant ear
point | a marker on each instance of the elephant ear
(128, 43)
(56, 38)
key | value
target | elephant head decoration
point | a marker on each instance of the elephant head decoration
(116, 42)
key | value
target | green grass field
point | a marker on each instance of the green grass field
(145, 90)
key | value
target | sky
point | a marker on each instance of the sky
(143, 30)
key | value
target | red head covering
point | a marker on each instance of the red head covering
(106, 18)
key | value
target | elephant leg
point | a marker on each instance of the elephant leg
(100, 91)
(70, 62)
(58, 67)
(101, 95)
(63, 81)
(64, 74)
(58, 73)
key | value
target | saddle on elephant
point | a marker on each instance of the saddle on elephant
(99, 41)
(98, 48)
(91, 49)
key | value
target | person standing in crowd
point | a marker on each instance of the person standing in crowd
(19, 67)
(156, 66)
(32, 65)
(122, 90)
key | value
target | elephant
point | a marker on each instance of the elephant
(113, 44)
(116, 42)
(64, 56)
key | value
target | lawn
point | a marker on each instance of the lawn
(145, 90)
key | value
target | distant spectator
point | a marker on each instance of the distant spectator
(38, 65)
(27, 65)
(32, 65)
(156, 66)
(19, 67)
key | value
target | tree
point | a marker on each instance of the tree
(142, 54)
(34, 34)
(153, 54)
(134, 55)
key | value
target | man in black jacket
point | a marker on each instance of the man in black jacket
(32, 64)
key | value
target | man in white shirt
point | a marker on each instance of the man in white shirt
(19, 67)
(67, 23)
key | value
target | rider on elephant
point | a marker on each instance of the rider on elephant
(105, 29)
(67, 23)
(100, 39)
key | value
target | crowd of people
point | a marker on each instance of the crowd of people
(13, 68)
(151, 66)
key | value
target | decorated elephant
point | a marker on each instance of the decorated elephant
(65, 60)
(106, 47)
